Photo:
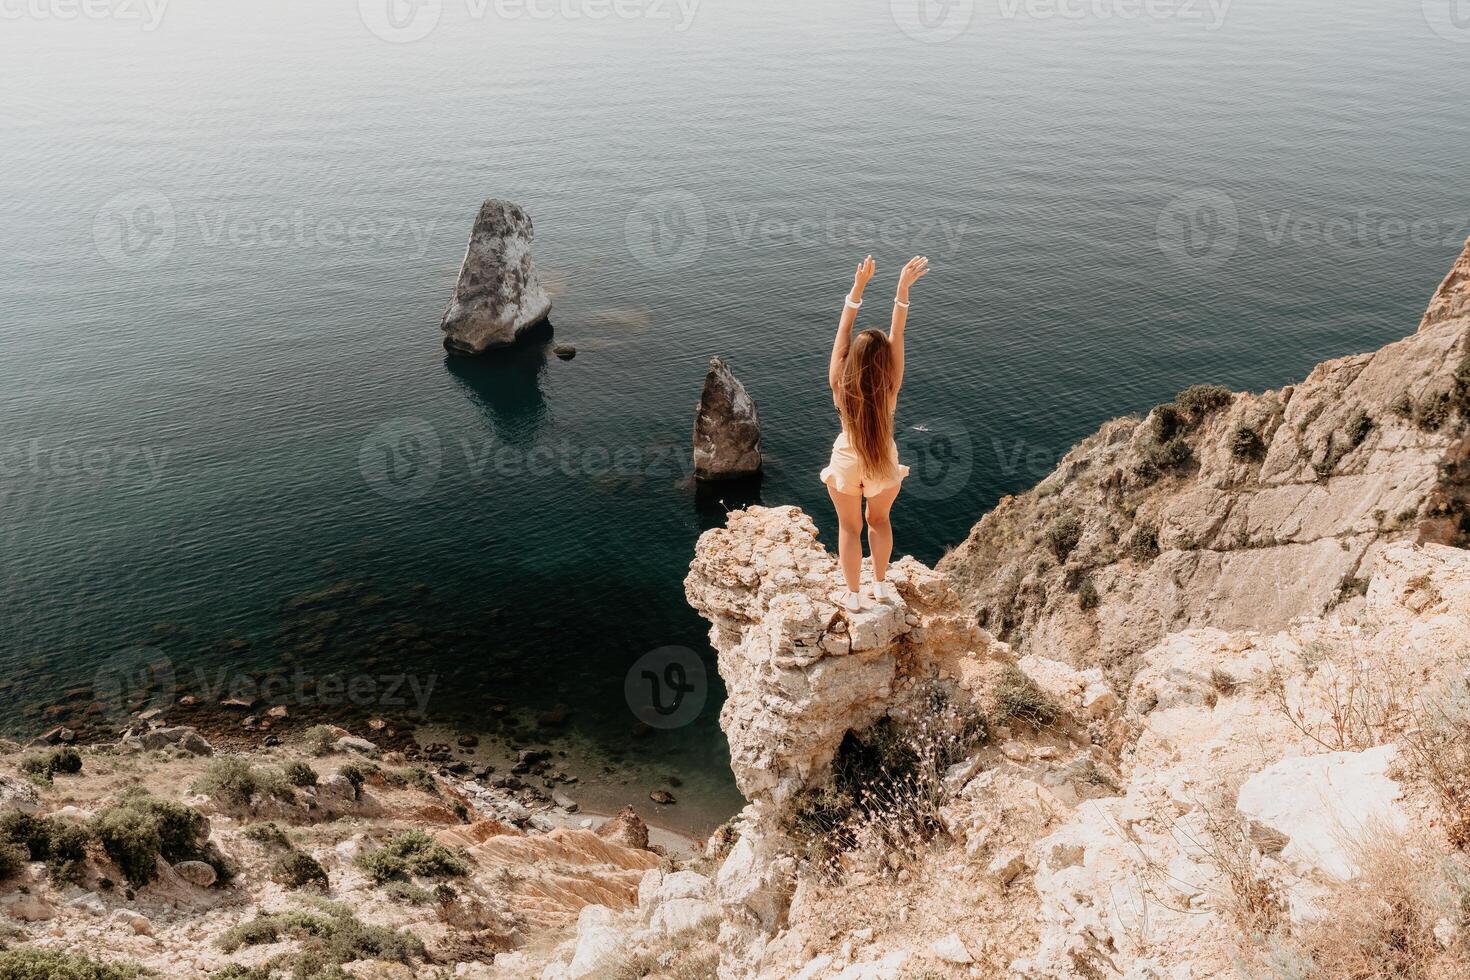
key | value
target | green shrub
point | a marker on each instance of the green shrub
(1019, 699)
(422, 779)
(67, 851)
(1087, 596)
(1460, 393)
(27, 830)
(412, 853)
(1063, 535)
(1246, 443)
(354, 774)
(1198, 401)
(12, 862)
(402, 891)
(1433, 412)
(320, 739)
(42, 766)
(1357, 428)
(1166, 422)
(1143, 544)
(268, 834)
(141, 828)
(295, 869)
(28, 963)
(236, 783)
(300, 774)
(1170, 455)
(328, 940)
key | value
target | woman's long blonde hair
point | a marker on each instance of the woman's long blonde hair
(865, 401)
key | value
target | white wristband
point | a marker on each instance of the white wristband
(899, 302)
(851, 305)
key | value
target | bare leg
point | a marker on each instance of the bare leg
(849, 536)
(880, 532)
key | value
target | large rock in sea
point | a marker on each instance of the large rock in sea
(727, 428)
(498, 296)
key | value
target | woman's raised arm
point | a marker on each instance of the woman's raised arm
(865, 270)
(917, 268)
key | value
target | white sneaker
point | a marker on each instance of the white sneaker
(882, 592)
(853, 602)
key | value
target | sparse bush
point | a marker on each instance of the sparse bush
(1171, 455)
(29, 963)
(141, 828)
(300, 774)
(422, 779)
(1198, 401)
(1165, 422)
(67, 851)
(1246, 443)
(1223, 682)
(356, 775)
(236, 783)
(1460, 393)
(1019, 699)
(1087, 596)
(1357, 427)
(402, 891)
(1143, 544)
(1432, 413)
(1063, 535)
(412, 853)
(42, 766)
(328, 939)
(320, 739)
(12, 861)
(887, 785)
(267, 834)
(296, 869)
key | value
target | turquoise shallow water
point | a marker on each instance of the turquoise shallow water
(229, 238)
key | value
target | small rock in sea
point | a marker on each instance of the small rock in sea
(468, 741)
(565, 802)
(662, 797)
(564, 351)
(727, 428)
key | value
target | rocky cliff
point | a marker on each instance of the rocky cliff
(1195, 706)
(1233, 510)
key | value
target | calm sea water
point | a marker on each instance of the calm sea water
(229, 235)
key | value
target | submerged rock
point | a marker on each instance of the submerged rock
(727, 428)
(498, 295)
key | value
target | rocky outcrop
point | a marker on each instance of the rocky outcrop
(498, 295)
(1233, 510)
(1452, 299)
(1122, 837)
(727, 428)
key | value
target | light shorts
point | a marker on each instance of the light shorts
(845, 472)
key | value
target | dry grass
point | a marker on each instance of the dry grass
(1383, 924)
(1362, 705)
(1436, 754)
(693, 954)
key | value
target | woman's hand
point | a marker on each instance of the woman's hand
(917, 268)
(866, 269)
